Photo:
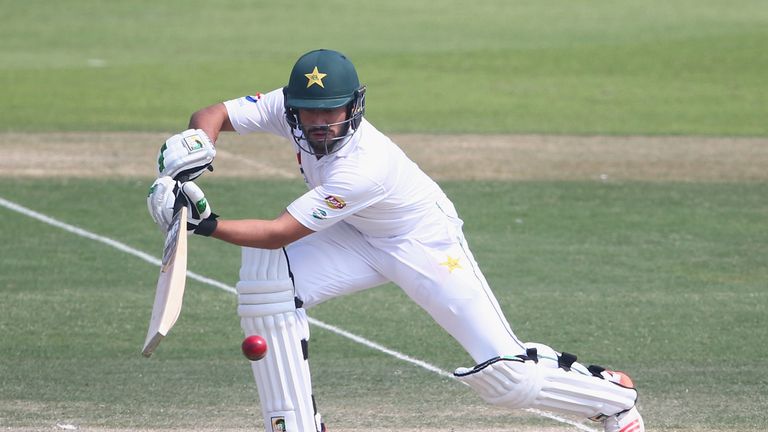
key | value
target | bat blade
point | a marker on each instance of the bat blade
(170, 284)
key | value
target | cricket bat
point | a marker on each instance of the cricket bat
(170, 285)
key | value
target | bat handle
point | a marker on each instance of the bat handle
(180, 201)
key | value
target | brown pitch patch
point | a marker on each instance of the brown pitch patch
(444, 157)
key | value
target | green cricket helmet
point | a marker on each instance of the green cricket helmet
(324, 79)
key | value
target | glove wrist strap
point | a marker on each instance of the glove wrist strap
(207, 226)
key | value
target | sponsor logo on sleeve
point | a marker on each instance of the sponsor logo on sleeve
(335, 202)
(319, 213)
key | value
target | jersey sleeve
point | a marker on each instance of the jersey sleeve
(259, 113)
(329, 203)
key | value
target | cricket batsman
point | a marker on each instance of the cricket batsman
(370, 216)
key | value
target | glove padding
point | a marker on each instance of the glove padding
(200, 219)
(162, 199)
(186, 156)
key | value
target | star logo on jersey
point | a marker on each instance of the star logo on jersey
(452, 264)
(315, 77)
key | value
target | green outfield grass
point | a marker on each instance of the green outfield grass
(591, 67)
(666, 281)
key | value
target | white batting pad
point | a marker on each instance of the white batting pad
(266, 308)
(517, 383)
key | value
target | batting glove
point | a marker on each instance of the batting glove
(161, 200)
(186, 156)
(200, 220)
(165, 193)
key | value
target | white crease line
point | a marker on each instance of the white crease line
(155, 261)
(374, 345)
(107, 241)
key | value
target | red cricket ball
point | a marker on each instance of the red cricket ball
(254, 347)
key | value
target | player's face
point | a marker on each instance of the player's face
(321, 126)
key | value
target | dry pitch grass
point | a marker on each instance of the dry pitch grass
(449, 157)
(445, 157)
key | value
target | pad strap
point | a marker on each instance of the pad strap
(565, 360)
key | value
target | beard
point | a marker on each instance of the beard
(319, 135)
(323, 139)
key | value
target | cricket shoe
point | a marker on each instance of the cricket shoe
(627, 421)
(618, 377)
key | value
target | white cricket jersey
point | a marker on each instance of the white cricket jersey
(380, 219)
(369, 183)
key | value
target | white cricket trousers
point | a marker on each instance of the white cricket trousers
(432, 264)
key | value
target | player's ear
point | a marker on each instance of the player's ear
(291, 115)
